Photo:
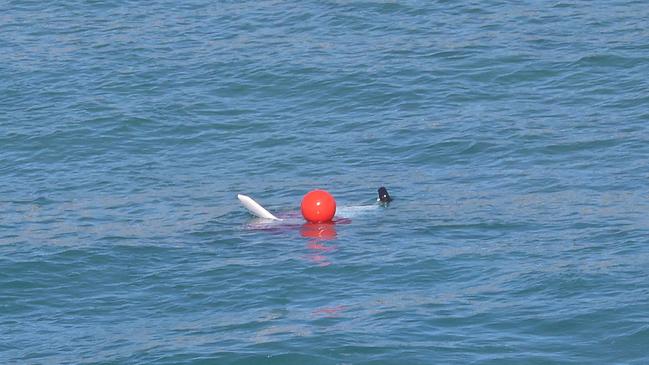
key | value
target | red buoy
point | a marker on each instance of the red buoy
(318, 206)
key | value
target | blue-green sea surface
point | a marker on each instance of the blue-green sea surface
(513, 136)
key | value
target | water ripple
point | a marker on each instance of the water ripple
(512, 137)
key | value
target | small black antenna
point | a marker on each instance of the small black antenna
(384, 197)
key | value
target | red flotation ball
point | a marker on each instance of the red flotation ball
(318, 206)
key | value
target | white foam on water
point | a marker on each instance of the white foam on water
(353, 211)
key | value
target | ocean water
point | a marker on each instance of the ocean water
(513, 137)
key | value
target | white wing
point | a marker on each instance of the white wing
(255, 208)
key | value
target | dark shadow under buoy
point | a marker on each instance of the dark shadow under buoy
(318, 234)
(319, 231)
